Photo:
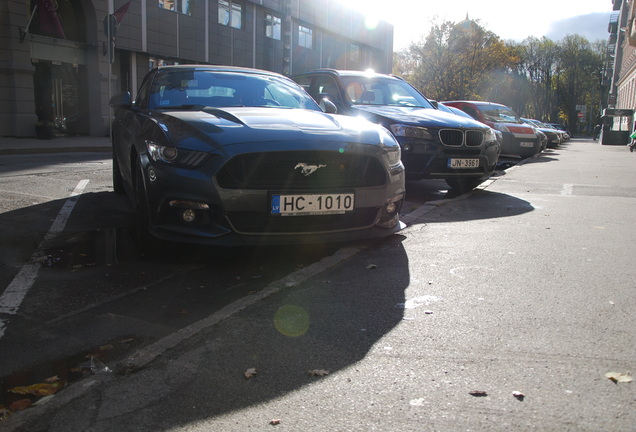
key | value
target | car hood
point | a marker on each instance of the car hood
(225, 126)
(425, 117)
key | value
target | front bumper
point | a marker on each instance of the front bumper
(520, 145)
(427, 159)
(228, 216)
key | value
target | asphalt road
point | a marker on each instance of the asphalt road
(527, 285)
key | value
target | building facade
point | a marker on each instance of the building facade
(623, 90)
(63, 59)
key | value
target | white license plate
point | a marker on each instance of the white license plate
(463, 163)
(312, 204)
(526, 144)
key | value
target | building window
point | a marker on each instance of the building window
(230, 14)
(181, 6)
(304, 37)
(272, 27)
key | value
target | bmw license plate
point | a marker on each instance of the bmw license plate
(312, 204)
(526, 144)
(463, 163)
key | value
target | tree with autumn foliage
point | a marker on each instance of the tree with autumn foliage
(455, 61)
(538, 78)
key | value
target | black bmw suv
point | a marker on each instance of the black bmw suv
(435, 144)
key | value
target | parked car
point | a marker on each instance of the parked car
(233, 156)
(554, 136)
(561, 128)
(519, 139)
(435, 144)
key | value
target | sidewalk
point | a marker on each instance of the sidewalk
(11, 146)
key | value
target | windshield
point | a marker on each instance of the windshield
(188, 88)
(498, 114)
(363, 90)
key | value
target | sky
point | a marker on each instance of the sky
(510, 20)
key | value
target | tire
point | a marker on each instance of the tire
(463, 184)
(118, 181)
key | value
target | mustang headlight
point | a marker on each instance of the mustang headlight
(400, 130)
(170, 155)
(392, 151)
(161, 153)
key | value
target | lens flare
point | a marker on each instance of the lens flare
(371, 22)
(291, 320)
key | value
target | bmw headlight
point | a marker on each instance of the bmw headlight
(490, 135)
(161, 153)
(391, 148)
(400, 130)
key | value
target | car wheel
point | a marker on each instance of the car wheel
(118, 182)
(463, 184)
(146, 242)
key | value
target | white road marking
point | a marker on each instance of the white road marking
(16, 291)
(567, 189)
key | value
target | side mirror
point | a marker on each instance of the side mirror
(327, 106)
(121, 100)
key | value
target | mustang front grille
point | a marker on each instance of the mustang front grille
(301, 170)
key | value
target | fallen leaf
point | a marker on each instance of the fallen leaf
(318, 372)
(42, 389)
(274, 421)
(618, 377)
(44, 400)
(52, 379)
(250, 373)
(20, 405)
(478, 393)
(518, 395)
(371, 266)
(4, 413)
(106, 347)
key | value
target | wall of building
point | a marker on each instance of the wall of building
(626, 78)
(76, 65)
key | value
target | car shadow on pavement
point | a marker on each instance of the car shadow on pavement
(481, 204)
(318, 330)
(328, 322)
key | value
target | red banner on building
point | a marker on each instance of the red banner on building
(121, 12)
(49, 19)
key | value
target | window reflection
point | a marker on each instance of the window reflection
(181, 6)
(273, 27)
(230, 14)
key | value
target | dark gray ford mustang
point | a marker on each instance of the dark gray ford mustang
(233, 156)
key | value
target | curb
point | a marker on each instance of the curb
(91, 149)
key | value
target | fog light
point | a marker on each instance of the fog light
(189, 215)
(152, 175)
